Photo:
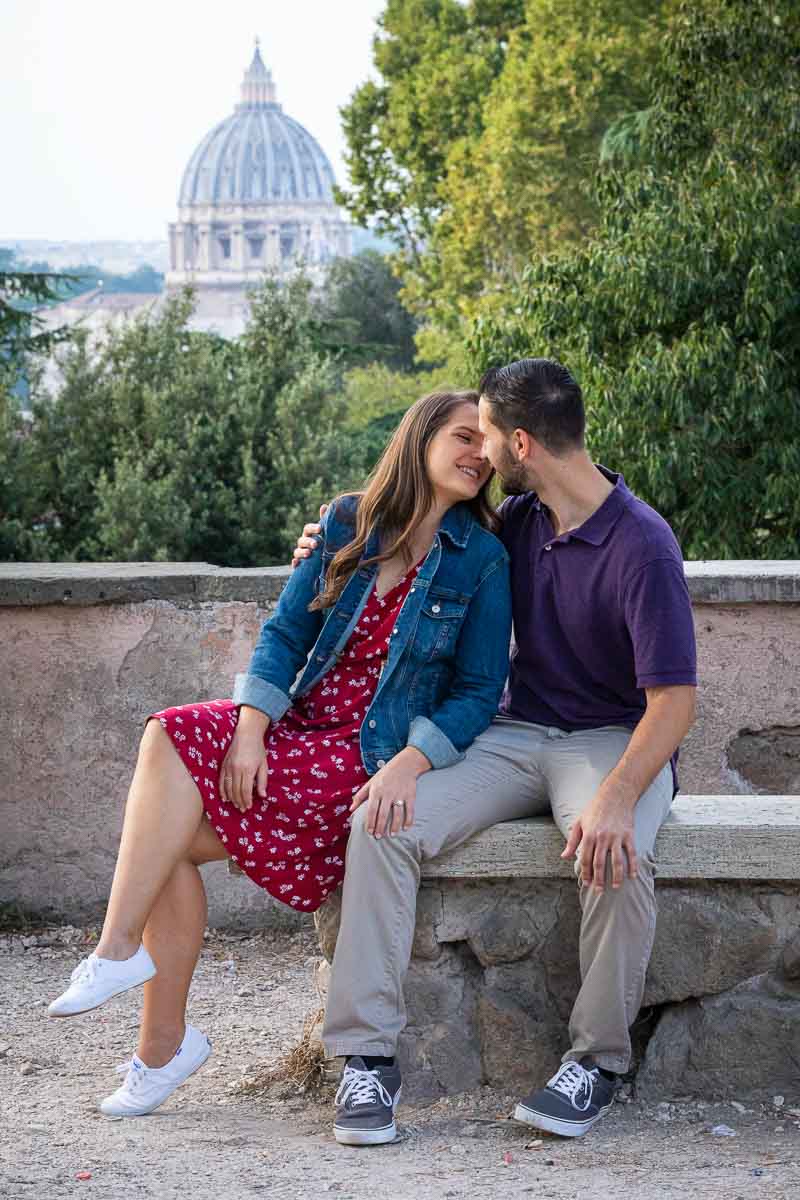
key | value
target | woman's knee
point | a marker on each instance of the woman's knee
(154, 740)
(206, 846)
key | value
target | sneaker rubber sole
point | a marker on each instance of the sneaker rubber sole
(554, 1125)
(365, 1137)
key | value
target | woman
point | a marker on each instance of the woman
(402, 619)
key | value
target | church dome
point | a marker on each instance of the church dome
(259, 155)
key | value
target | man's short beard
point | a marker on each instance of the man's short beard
(512, 479)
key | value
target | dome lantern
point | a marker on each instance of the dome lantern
(258, 88)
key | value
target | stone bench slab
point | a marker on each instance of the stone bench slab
(704, 837)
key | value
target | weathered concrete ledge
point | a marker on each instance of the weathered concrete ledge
(23, 584)
(28, 584)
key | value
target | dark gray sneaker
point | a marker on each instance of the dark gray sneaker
(366, 1103)
(570, 1103)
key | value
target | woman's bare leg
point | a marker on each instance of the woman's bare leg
(173, 936)
(162, 818)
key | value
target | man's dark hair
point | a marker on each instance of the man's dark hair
(539, 396)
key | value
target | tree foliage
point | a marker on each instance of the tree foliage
(472, 146)
(163, 443)
(22, 332)
(360, 300)
(681, 316)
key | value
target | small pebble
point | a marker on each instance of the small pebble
(779, 1101)
(27, 1069)
(723, 1131)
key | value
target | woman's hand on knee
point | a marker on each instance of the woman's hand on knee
(391, 793)
(244, 769)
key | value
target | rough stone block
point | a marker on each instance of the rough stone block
(708, 939)
(440, 1047)
(520, 1046)
(478, 913)
(426, 943)
(326, 920)
(745, 1042)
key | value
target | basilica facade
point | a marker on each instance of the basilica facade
(256, 197)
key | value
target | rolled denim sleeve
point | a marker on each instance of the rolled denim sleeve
(481, 670)
(427, 737)
(285, 641)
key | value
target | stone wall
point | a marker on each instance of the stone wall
(494, 974)
(87, 651)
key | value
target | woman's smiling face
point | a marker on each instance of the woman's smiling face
(457, 465)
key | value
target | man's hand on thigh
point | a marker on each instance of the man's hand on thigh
(604, 829)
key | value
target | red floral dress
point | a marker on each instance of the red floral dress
(293, 843)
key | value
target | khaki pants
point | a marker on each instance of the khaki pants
(514, 769)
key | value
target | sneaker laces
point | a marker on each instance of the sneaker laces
(361, 1087)
(86, 970)
(133, 1075)
(569, 1080)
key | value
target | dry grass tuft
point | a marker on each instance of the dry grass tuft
(302, 1067)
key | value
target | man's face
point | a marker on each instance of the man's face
(497, 447)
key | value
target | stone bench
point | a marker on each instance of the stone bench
(494, 969)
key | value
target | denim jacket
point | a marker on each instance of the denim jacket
(448, 657)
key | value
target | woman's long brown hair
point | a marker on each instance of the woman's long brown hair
(399, 493)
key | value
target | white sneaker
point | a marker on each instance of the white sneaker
(96, 980)
(145, 1088)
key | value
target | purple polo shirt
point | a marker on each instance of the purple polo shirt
(600, 613)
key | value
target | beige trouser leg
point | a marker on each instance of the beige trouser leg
(617, 927)
(513, 770)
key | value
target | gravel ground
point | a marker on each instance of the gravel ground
(213, 1139)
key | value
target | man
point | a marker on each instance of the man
(600, 693)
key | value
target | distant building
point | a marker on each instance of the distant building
(256, 196)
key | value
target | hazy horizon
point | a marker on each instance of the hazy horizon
(104, 105)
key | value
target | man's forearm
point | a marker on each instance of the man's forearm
(668, 718)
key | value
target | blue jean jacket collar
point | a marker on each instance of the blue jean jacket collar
(456, 525)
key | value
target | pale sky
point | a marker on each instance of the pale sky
(103, 101)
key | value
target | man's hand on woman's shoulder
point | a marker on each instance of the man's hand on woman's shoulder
(307, 542)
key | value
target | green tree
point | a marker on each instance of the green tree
(23, 342)
(22, 331)
(435, 60)
(163, 443)
(473, 145)
(360, 302)
(681, 316)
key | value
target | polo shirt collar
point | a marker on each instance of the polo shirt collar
(599, 525)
